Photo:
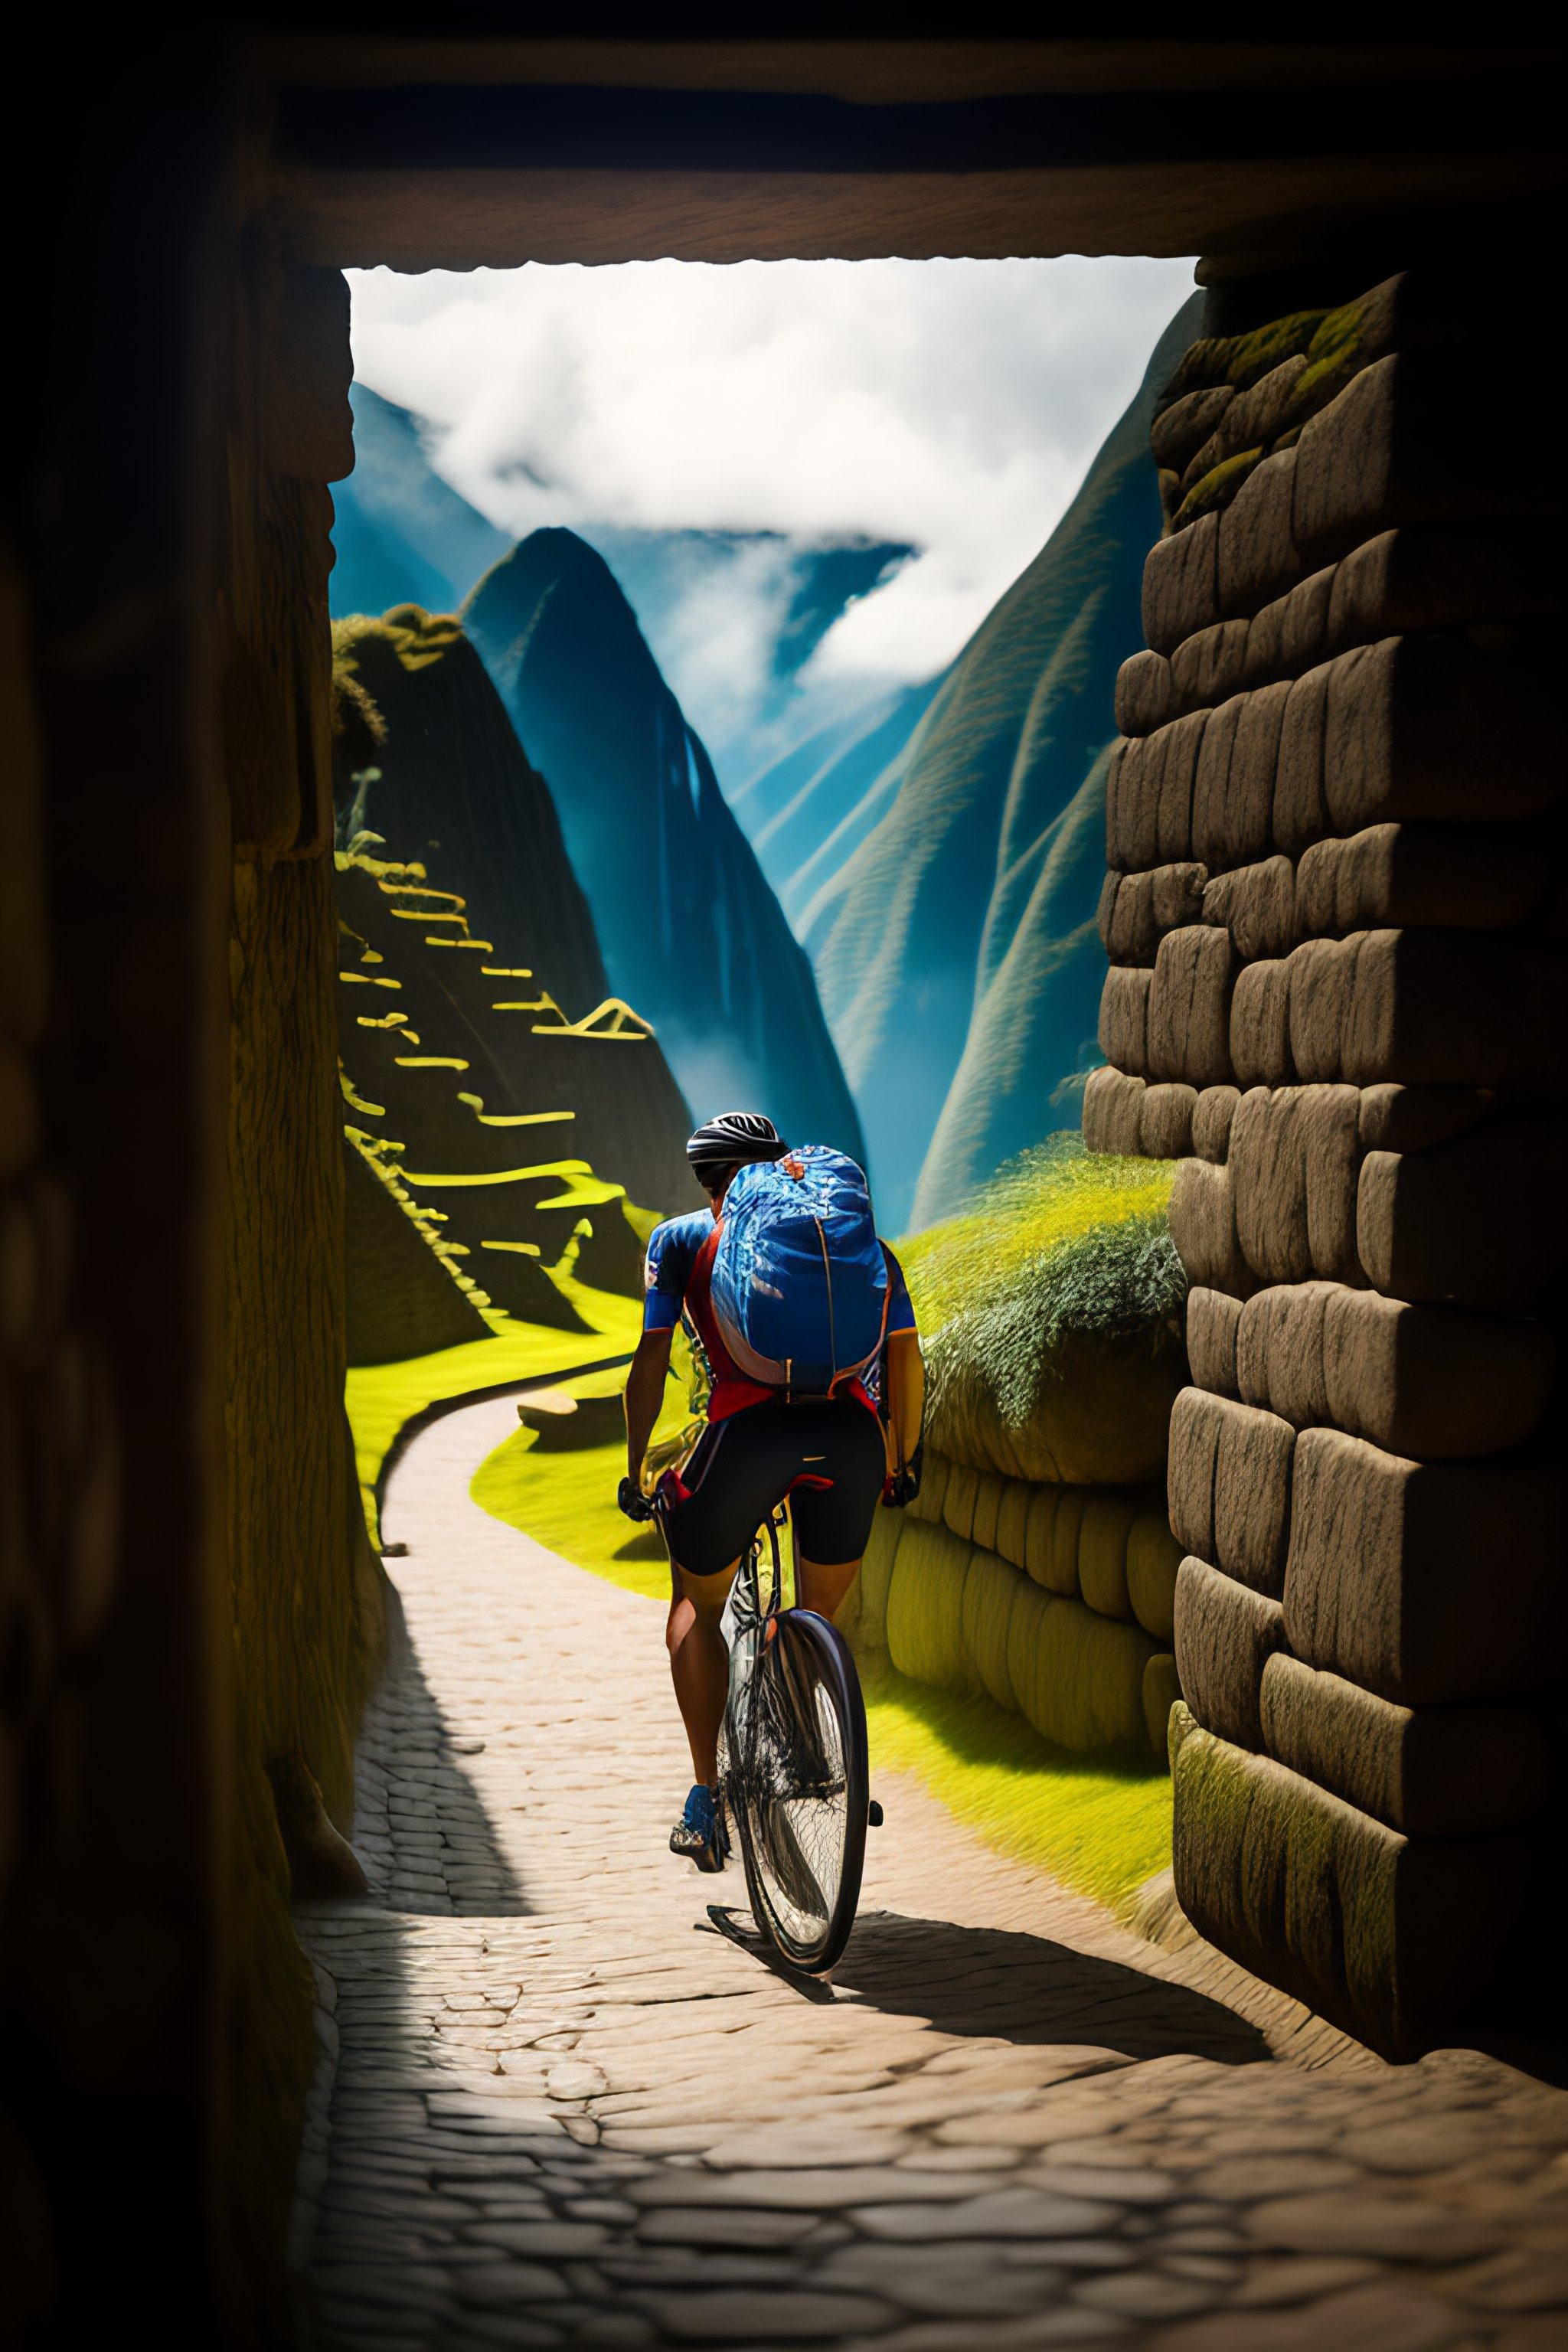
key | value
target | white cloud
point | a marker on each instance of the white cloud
(717, 638)
(955, 405)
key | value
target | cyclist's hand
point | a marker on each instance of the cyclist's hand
(904, 1485)
(633, 1501)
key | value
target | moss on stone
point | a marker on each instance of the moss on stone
(1244, 359)
(1052, 1311)
(925, 1607)
(382, 1397)
(1216, 488)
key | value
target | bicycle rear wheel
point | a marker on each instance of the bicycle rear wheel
(799, 1788)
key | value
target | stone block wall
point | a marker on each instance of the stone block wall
(308, 1607)
(190, 1613)
(151, 2093)
(1333, 920)
(1056, 1600)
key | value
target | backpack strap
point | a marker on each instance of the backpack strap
(734, 1381)
(697, 1304)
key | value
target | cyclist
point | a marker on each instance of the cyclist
(837, 1456)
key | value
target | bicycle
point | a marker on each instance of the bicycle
(793, 1771)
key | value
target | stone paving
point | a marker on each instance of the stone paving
(560, 2116)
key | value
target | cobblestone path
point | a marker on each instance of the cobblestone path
(559, 2117)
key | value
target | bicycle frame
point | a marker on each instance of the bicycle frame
(745, 1612)
(772, 1756)
(744, 1624)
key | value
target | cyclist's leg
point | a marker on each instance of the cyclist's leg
(824, 1583)
(740, 1470)
(843, 1464)
(698, 1662)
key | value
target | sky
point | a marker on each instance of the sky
(953, 405)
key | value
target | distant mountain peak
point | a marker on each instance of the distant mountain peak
(692, 934)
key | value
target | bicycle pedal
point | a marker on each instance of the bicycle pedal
(874, 1815)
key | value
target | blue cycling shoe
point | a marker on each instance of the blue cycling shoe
(699, 1834)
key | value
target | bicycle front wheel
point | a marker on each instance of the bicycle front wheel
(799, 1789)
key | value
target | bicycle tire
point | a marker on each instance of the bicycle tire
(799, 1790)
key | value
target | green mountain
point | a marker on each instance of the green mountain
(405, 1295)
(402, 535)
(731, 616)
(954, 947)
(506, 1119)
(450, 782)
(691, 934)
(1032, 1036)
(806, 812)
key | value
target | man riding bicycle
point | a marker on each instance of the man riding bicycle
(834, 1454)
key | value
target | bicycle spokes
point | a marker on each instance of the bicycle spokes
(796, 1781)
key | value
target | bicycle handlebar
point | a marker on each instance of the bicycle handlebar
(635, 1505)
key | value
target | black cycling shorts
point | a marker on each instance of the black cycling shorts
(826, 1455)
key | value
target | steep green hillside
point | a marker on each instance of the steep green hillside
(982, 846)
(810, 810)
(499, 1131)
(402, 534)
(691, 932)
(448, 780)
(732, 618)
(1032, 1033)
(427, 760)
(437, 1045)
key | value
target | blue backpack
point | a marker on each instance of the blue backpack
(799, 1285)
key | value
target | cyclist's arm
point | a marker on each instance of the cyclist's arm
(906, 1373)
(670, 1249)
(645, 1395)
(906, 1396)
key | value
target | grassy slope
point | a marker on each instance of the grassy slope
(1099, 1828)
(382, 1397)
(568, 1501)
(1051, 1212)
(1051, 1309)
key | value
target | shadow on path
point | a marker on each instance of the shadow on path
(421, 1827)
(998, 1981)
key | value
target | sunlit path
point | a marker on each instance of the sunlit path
(560, 2115)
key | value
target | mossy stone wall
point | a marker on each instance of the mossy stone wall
(1334, 928)
(1055, 1600)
